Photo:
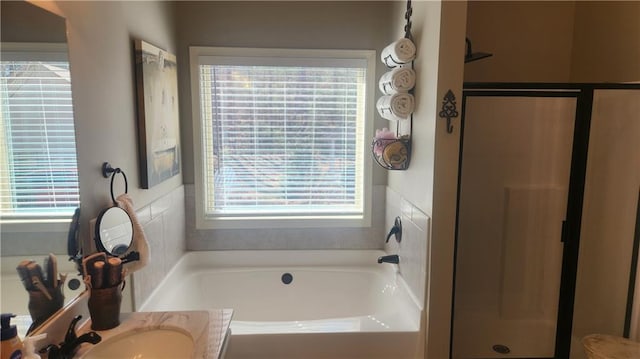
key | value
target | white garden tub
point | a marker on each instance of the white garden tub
(338, 303)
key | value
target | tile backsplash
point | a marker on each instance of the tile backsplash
(413, 249)
(163, 222)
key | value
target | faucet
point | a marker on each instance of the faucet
(72, 341)
(392, 258)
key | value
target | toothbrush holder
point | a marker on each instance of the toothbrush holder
(41, 307)
(104, 306)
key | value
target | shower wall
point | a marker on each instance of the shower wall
(515, 169)
(609, 216)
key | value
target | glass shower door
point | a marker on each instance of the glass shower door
(514, 178)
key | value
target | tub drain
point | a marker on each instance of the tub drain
(287, 278)
(501, 349)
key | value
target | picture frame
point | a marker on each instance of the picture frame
(158, 114)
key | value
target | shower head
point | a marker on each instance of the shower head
(470, 56)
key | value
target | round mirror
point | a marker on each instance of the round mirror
(114, 231)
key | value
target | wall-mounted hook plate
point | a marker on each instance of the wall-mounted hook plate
(107, 170)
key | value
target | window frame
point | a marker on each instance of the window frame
(196, 53)
(36, 51)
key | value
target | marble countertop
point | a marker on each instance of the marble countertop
(208, 328)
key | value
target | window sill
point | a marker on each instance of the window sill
(34, 225)
(283, 222)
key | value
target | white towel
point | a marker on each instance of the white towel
(139, 243)
(400, 79)
(398, 52)
(396, 107)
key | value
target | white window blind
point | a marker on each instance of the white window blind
(38, 167)
(282, 140)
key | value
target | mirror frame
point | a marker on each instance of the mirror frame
(100, 245)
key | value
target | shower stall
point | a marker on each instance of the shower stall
(524, 158)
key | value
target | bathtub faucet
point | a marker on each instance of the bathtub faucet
(393, 258)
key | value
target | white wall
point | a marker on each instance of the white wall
(430, 182)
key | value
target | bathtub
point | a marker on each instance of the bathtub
(299, 304)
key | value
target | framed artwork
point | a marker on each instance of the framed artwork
(158, 114)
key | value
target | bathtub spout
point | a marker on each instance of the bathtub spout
(393, 258)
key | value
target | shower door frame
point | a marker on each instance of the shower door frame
(571, 228)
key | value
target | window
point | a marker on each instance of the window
(38, 167)
(281, 137)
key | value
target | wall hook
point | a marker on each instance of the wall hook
(449, 109)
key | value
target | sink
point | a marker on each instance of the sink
(145, 343)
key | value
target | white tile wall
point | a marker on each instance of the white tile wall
(413, 249)
(163, 222)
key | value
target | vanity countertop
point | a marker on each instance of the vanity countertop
(208, 328)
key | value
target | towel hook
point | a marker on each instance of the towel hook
(108, 170)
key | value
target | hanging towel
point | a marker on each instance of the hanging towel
(139, 243)
(396, 107)
(400, 79)
(399, 52)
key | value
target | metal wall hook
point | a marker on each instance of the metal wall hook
(449, 109)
